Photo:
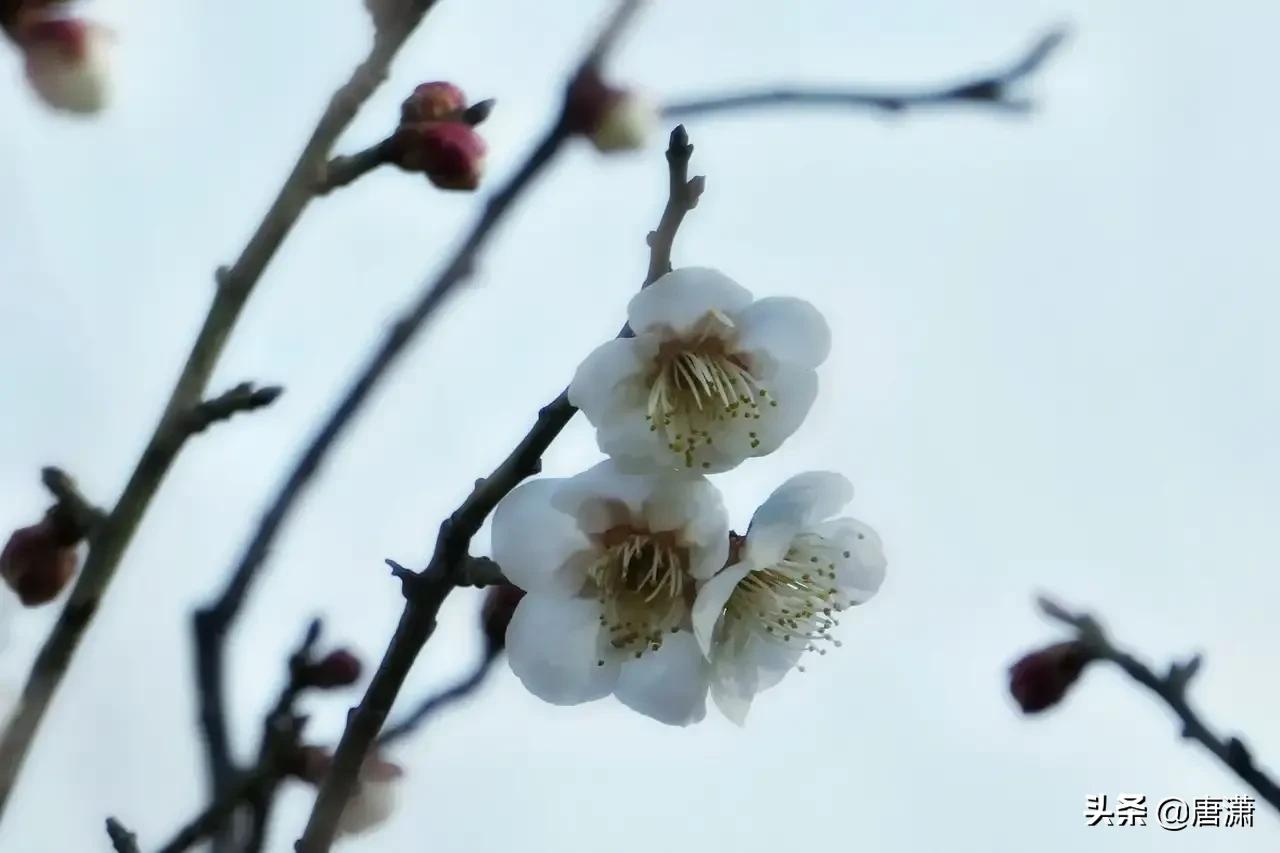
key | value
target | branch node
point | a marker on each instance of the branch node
(245, 397)
(122, 839)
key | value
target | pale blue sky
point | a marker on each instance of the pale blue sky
(1052, 370)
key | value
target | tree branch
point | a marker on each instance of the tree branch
(991, 90)
(235, 285)
(83, 516)
(245, 397)
(343, 170)
(122, 839)
(1171, 688)
(216, 813)
(433, 704)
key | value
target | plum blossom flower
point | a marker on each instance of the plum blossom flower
(610, 563)
(711, 377)
(788, 578)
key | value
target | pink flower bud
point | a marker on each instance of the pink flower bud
(66, 60)
(451, 154)
(38, 562)
(433, 102)
(613, 119)
(1040, 679)
(499, 606)
(339, 668)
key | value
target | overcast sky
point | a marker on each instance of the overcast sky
(1052, 369)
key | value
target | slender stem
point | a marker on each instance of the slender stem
(122, 840)
(433, 704)
(1172, 689)
(235, 285)
(990, 90)
(216, 813)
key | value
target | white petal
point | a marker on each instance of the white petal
(534, 543)
(553, 645)
(732, 697)
(860, 575)
(795, 506)
(709, 605)
(372, 803)
(790, 330)
(669, 685)
(694, 508)
(682, 298)
(595, 384)
(602, 496)
(794, 389)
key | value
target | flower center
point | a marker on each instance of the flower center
(698, 386)
(642, 581)
(793, 602)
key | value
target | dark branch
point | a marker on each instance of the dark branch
(245, 397)
(341, 171)
(122, 839)
(683, 197)
(426, 591)
(216, 814)
(991, 90)
(236, 285)
(1172, 689)
(434, 704)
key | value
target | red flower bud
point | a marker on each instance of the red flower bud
(499, 606)
(66, 59)
(433, 102)
(339, 668)
(38, 562)
(451, 154)
(1040, 679)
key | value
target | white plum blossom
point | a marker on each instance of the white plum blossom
(711, 377)
(610, 563)
(67, 61)
(788, 578)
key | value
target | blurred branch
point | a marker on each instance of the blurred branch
(433, 704)
(451, 565)
(235, 285)
(77, 509)
(991, 90)
(426, 591)
(122, 840)
(1172, 689)
(245, 397)
(216, 813)
(343, 170)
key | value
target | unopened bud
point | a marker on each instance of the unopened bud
(613, 119)
(339, 668)
(451, 154)
(435, 101)
(66, 60)
(1040, 679)
(39, 561)
(499, 606)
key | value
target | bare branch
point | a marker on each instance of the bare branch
(216, 813)
(991, 90)
(341, 171)
(122, 839)
(433, 704)
(1172, 689)
(245, 397)
(75, 508)
(426, 591)
(236, 285)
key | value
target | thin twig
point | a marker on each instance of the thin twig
(426, 592)
(443, 699)
(235, 285)
(245, 397)
(74, 506)
(216, 813)
(990, 90)
(122, 839)
(341, 171)
(1172, 689)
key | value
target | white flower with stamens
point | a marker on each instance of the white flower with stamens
(711, 377)
(789, 577)
(610, 562)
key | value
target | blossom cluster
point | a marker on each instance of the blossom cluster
(636, 585)
(65, 55)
